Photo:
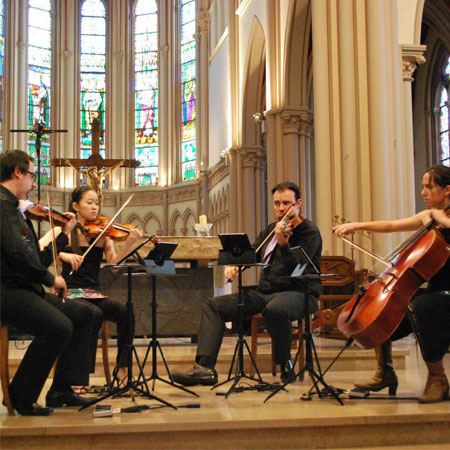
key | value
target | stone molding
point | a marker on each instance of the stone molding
(217, 173)
(253, 157)
(182, 194)
(412, 55)
(203, 20)
(294, 120)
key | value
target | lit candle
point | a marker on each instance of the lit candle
(202, 221)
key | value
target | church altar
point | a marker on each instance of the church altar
(180, 298)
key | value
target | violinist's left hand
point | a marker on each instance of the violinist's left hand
(135, 235)
(70, 225)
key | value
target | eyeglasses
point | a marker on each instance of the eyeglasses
(34, 175)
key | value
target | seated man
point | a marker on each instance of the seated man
(61, 329)
(281, 300)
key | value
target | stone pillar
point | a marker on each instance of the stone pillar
(357, 117)
(203, 90)
(412, 55)
(253, 160)
(306, 176)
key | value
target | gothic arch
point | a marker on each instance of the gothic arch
(434, 34)
(254, 93)
(298, 80)
(148, 219)
(175, 218)
(188, 222)
(134, 219)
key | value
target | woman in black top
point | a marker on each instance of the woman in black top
(85, 272)
(430, 307)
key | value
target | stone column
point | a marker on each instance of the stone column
(357, 117)
(412, 55)
(202, 92)
(306, 176)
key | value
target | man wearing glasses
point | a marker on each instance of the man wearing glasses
(61, 329)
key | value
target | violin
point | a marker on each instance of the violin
(373, 314)
(57, 218)
(117, 232)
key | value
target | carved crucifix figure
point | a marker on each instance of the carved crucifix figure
(97, 168)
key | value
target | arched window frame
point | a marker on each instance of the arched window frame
(180, 162)
(46, 141)
(443, 111)
(152, 181)
(104, 140)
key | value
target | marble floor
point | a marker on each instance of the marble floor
(244, 420)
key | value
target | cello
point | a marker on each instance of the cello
(373, 314)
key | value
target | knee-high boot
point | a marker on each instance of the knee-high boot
(385, 375)
(436, 388)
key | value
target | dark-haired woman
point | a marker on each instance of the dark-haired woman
(85, 205)
(430, 311)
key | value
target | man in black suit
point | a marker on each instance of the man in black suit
(61, 329)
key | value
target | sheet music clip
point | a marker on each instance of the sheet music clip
(237, 250)
(159, 258)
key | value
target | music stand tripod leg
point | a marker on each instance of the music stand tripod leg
(131, 386)
(155, 345)
(310, 349)
(239, 348)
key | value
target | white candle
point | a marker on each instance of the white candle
(202, 221)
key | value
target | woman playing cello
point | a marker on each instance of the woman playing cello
(430, 308)
(84, 273)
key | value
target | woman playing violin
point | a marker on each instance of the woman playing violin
(84, 273)
(430, 308)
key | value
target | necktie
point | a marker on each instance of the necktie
(269, 249)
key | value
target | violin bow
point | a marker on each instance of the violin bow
(106, 228)
(55, 254)
(273, 231)
(378, 258)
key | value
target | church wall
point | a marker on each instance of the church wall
(219, 103)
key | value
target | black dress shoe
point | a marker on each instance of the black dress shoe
(197, 375)
(33, 410)
(287, 372)
(57, 399)
(29, 409)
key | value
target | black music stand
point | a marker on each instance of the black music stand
(237, 251)
(131, 387)
(310, 348)
(160, 264)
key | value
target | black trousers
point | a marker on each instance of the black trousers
(430, 319)
(114, 311)
(60, 330)
(279, 310)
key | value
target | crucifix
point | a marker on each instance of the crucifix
(97, 168)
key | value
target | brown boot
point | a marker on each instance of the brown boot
(385, 375)
(436, 389)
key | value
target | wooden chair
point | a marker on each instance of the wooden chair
(4, 368)
(4, 362)
(258, 331)
(337, 291)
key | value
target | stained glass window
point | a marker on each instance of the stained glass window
(146, 91)
(2, 54)
(444, 116)
(188, 90)
(92, 73)
(39, 79)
